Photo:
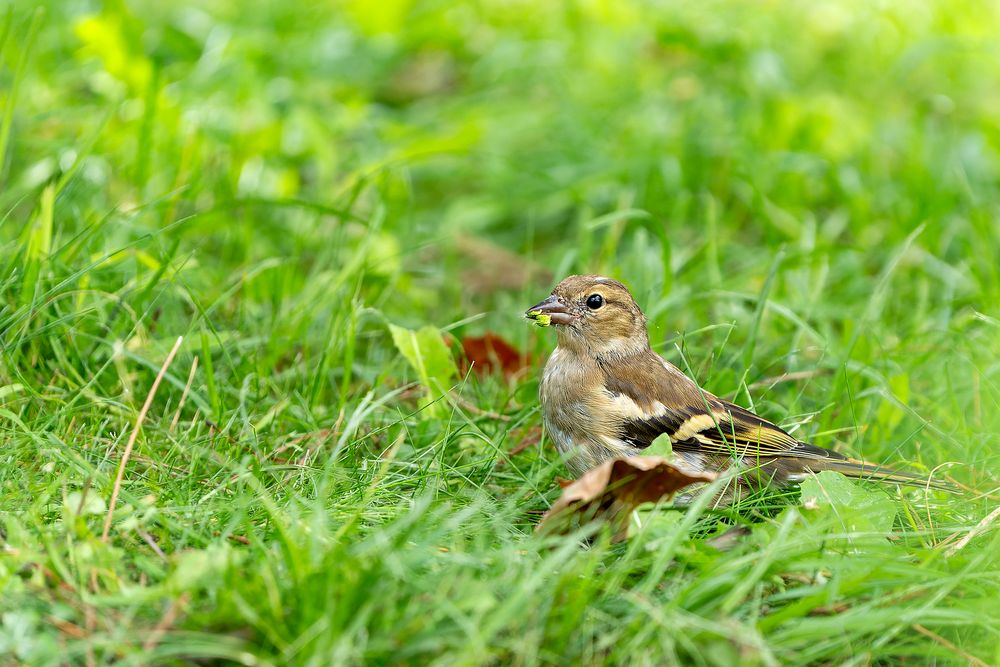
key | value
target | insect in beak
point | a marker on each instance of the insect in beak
(551, 311)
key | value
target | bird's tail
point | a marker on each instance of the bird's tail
(867, 471)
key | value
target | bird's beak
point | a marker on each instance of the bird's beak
(551, 311)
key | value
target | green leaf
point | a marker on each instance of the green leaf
(427, 353)
(199, 568)
(830, 495)
(660, 447)
(837, 519)
(77, 503)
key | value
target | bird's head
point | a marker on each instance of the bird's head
(593, 315)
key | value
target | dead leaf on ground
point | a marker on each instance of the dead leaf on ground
(489, 354)
(423, 75)
(616, 487)
(492, 268)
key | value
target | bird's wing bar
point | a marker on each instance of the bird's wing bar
(649, 397)
(640, 432)
(728, 430)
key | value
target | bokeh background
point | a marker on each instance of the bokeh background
(788, 186)
(584, 136)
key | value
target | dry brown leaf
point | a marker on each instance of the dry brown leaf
(616, 487)
(490, 353)
(425, 74)
(492, 268)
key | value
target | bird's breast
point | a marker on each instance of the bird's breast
(570, 394)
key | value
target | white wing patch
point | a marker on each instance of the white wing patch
(625, 407)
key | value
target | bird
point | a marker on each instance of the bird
(606, 394)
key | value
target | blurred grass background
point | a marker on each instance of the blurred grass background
(277, 181)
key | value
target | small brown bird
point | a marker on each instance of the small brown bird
(605, 393)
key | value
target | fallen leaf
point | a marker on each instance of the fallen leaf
(492, 268)
(423, 75)
(490, 353)
(616, 487)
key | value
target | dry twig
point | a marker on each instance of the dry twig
(977, 529)
(131, 439)
(971, 659)
(166, 621)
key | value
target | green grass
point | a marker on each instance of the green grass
(789, 187)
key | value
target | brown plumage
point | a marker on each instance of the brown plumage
(605, 393)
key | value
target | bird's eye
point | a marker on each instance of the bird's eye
(595, 301)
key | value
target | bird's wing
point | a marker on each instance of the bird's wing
(646, 396)
(652, 397)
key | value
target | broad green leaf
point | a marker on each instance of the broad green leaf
(851, 507)
(660, 447)
(197, 568)
(836, 521)
(77, 503)
(430, 358)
